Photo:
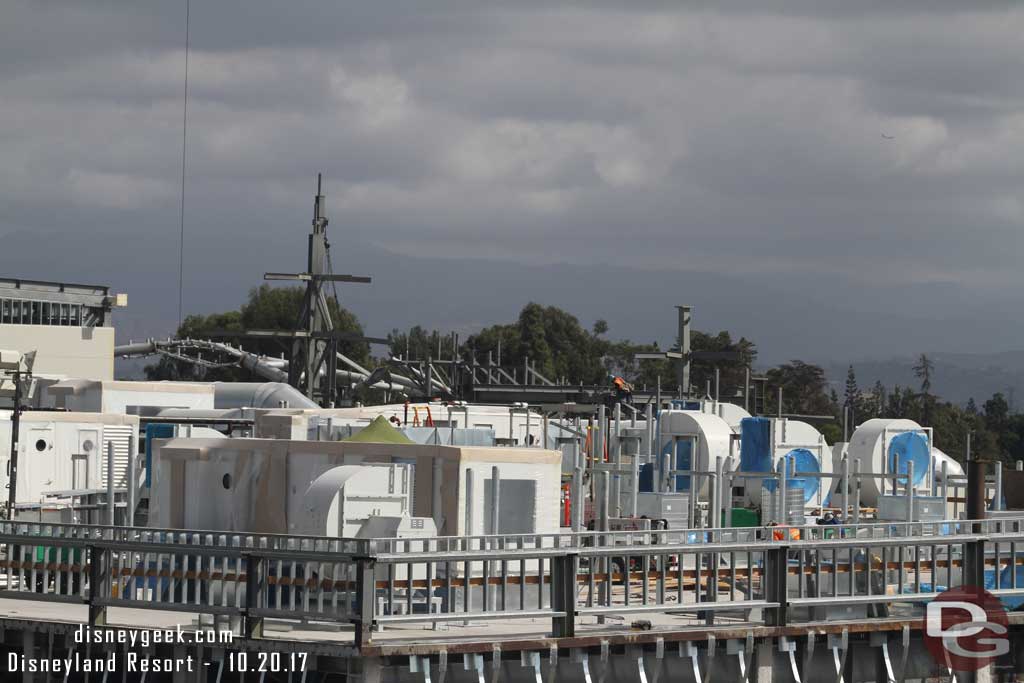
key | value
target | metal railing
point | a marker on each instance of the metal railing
(762, 577)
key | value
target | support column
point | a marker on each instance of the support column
(28, 647)
(764, 654)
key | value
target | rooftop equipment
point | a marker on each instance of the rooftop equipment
(882, 445)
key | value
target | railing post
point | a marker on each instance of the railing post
(253, 624)
(974, 551)
(776, 566)
(99, 585)
(365, 597)
(563, 594)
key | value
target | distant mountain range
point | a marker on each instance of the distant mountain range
(790, 314)
(957, 376)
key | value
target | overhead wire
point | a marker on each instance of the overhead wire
(184, 138)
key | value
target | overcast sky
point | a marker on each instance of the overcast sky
(745, 138)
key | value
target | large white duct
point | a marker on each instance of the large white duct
(711, 433)
(793, 435)
(953, 468)
(873, 444)
(259, 395)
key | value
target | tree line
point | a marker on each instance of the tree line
(562, 349)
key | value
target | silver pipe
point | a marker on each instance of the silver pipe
(110, 483)
(845, 483)
(910, 492)
(618, 459)
(856, 491)
(727, 491)
(945, 484)
(435, 506)
(133, 481)
(636, 483)
(716, 520)
(495, 498)
(649, 417)
(469, 503)
(604, 500)
(781, 490)
(997, 503)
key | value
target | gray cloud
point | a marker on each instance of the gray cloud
(700, 137)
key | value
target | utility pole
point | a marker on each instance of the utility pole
(12, 475)
(17, 366)
(683, 368)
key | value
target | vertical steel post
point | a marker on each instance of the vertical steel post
(617, 491)
(780, 402)
(12, 473)
(495, 499)
(99, 584)
(110, 483)
(845, 483)
(683, 375)
(974, 551)
(718, 384)
(997, 498)
(716, 504)
(563, 594)
(856, 491)
(366, 586)
(604, 500)
(783, 517)
(468, 530)
(577, 499)
(910, 494)
(746, 388)
(133, 481)
(944, 491)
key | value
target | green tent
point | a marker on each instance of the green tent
(379, 431)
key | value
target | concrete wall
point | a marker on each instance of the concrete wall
(86, 352)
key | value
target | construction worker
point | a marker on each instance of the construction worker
(623, 389)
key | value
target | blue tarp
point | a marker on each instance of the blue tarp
(755, 444)
(910, 447)
(805, 461)
(684, 455)
(155, 431)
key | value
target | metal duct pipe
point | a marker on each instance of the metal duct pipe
(136, 349)
(214, 414)
(258, 395)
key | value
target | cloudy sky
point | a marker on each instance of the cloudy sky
(740, 139)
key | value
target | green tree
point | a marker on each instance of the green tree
(267, 308)
(549, 337)
(804, 388)
(923, 370)
(732, 372)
